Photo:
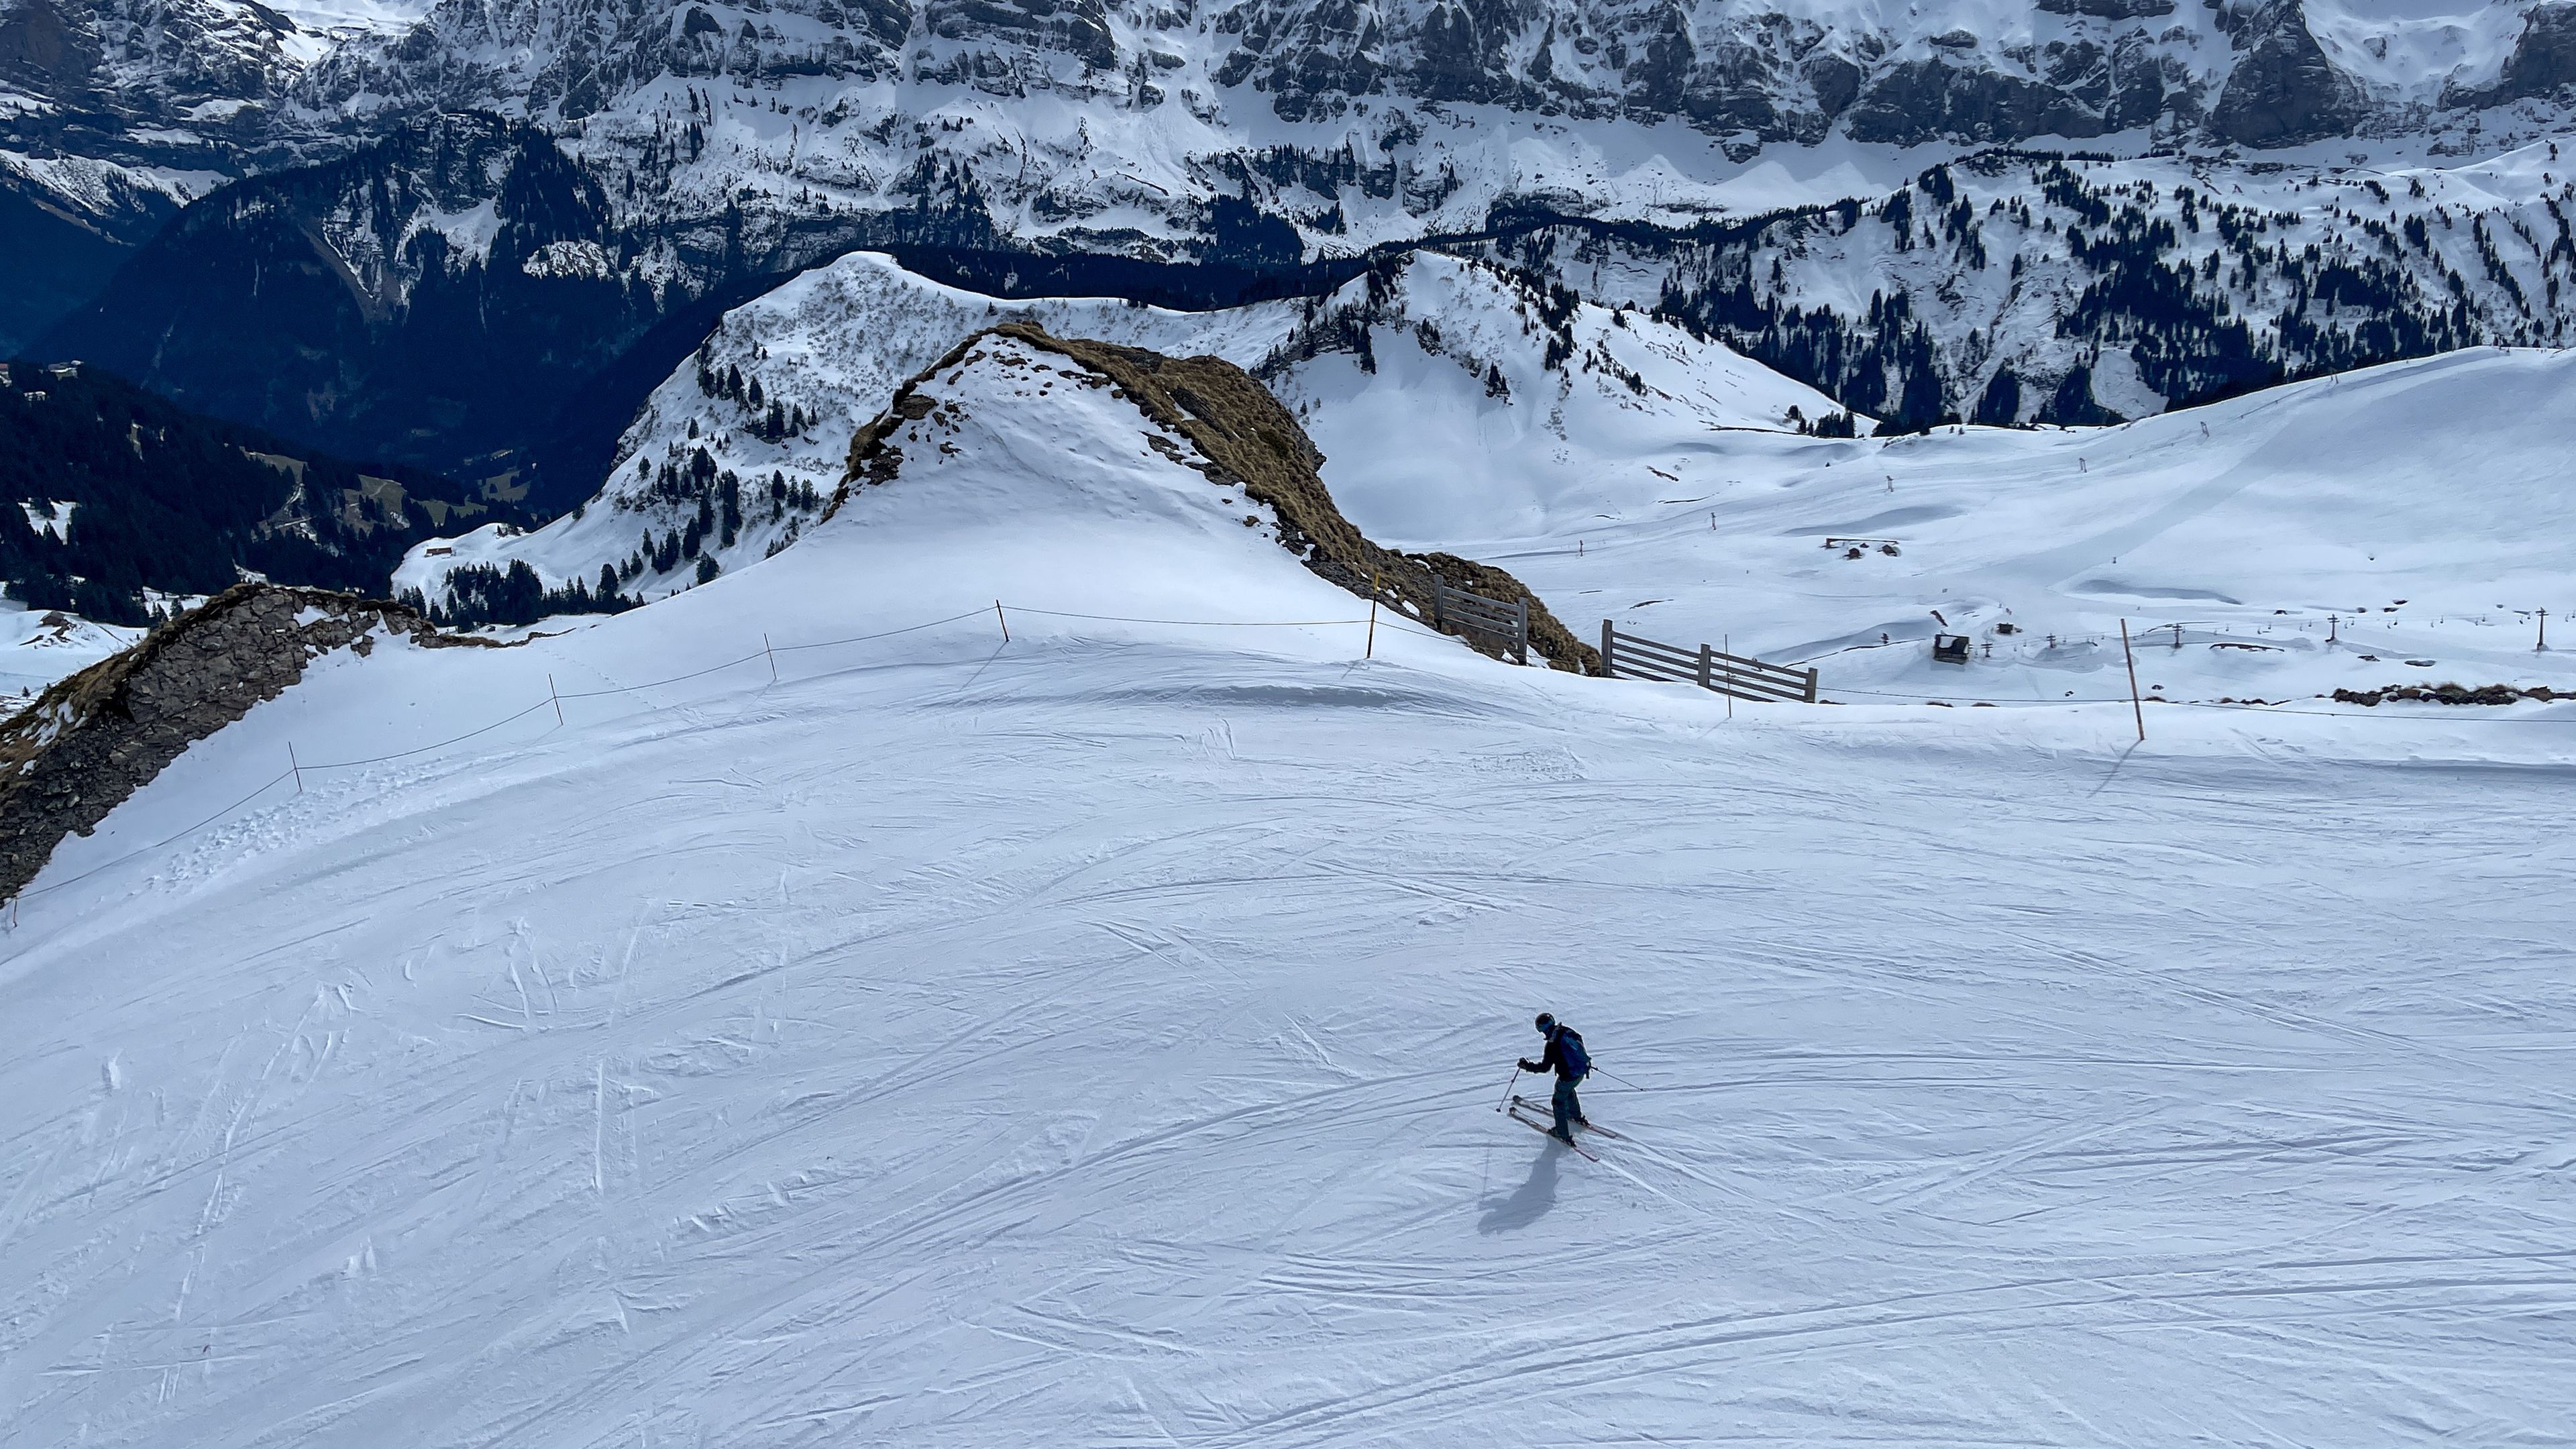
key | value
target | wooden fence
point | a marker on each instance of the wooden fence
(1631, 656)
(1506, 623)
(1501, 623)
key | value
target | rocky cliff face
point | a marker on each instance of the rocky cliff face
(92, 740)
(2265, 74)
(774, 115)
(432, 299)
(145, 82)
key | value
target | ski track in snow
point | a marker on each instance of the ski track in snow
(1097, 1040)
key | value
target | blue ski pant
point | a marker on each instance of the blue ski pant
(1569, 1108)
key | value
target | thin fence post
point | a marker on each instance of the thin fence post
(1520, 640)
(1607, 634)
(1371, 651)
(2134, 706)
(1003, 619)
(2544, 633)
(1439, 608)
(766, 648)
(554, 699)
(1726, 646)
(296, 765)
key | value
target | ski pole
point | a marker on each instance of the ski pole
(1505, 1104)
(1622, 1081)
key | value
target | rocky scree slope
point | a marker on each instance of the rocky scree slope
(1232, 431)
(93, 739)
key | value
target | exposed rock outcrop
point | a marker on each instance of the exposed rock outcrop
(2452, 694)
(2284, 91)
(2543, 61)
(91, 740)
(1249, 441)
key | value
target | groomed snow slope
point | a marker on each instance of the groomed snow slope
(2413, 512)
(1095, 1039)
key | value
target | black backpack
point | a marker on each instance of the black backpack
(1569, 1050)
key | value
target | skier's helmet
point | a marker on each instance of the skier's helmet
(1546, 1021)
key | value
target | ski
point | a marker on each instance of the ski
(1549, 1110)
(1541, 1129)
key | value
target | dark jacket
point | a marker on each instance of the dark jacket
(1554, 1058)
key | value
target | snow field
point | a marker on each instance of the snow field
(2417, 503)
(1095, 1039)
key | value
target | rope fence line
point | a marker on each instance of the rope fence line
(659, 683)
(553, 700)
(1198, 623)
(425, 749)
(272, 783)
(1390, 620)
(864, 638)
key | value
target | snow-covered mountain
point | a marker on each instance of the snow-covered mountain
(114, 113)
(740, 1022)
(512, 222)
(2010, 289)
(1423, 368)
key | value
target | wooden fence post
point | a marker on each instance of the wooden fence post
(1606, 636)
(2134, 707)
(1811, 686)
(1520, 635)
(1703, 668)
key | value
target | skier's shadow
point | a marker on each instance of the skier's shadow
(1528, 1202)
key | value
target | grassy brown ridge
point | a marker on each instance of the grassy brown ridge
(1249, 441)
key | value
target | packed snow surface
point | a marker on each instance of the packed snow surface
(1097, 1038)
(2403, 525)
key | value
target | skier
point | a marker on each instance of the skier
(1565, 1054)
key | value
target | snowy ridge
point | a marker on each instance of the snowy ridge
(1428, 365)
